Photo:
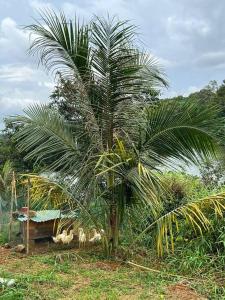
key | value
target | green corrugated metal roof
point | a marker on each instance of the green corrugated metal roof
(48, 215)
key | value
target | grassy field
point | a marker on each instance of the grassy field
(85, 275)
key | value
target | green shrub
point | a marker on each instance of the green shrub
(3, 238)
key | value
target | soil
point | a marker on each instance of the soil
(9, 255)
(107, 266)
(182, 291)
(4, 254)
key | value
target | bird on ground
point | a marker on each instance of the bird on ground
(7, 282)
(96, 238)
(58, 238)
(19, 248)
(82, 237)
(68, 238)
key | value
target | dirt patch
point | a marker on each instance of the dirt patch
(137, 291)
(107, 266)
(80, 284)
(8, 255)
(182, 291)
(219, 279)
(4, 255)
(135, 296)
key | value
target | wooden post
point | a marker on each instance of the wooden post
(11, 210)
(28, 215)
(15, 193)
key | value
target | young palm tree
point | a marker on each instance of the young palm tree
(111, 152)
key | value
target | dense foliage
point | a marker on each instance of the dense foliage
(10, 152)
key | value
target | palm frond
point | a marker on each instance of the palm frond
(61, 44)
(195, 214)
(151, 71)
(178, 131)
(2, 185)
(46, 192)
(45, 136)
(6, 178)
(7, 172)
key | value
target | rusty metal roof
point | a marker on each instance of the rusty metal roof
(48, 215)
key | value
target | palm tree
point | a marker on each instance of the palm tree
(110, 153)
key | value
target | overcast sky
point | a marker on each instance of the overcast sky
(187, 36)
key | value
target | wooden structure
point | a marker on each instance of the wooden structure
(43, 224)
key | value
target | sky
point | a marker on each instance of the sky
(186, 36)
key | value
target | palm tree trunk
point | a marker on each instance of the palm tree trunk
(1, 215)
(113, 210)
(114, 227)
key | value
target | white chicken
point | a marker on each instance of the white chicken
(96, 238)
(68, 238)
(82, 237)
(19, 248)
(58, 238)
(7, 282)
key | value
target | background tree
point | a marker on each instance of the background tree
(9, 151)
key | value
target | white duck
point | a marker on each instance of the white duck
(59, 237)
(68, 238)
(96, 238)
(7, 282)
(82, 237)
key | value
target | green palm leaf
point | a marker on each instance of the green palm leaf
(194, 213)
(61, 44)
(179, 131)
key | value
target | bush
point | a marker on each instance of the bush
(180, 188)
(3, 238)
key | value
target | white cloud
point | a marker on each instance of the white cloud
(15, 104)
(13, 42)
(214, 59)
(191, 89)
(41, 5)
(47, 84)
(18, 78)
(170, 93)
(9, 29)
(85, 9)
(165, 63)
(71, 10)
(16, 73)
(180, 28)
(15, 100)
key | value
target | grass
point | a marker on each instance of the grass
(72, 275)
(47, 280)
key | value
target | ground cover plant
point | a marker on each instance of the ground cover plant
(87, 275)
